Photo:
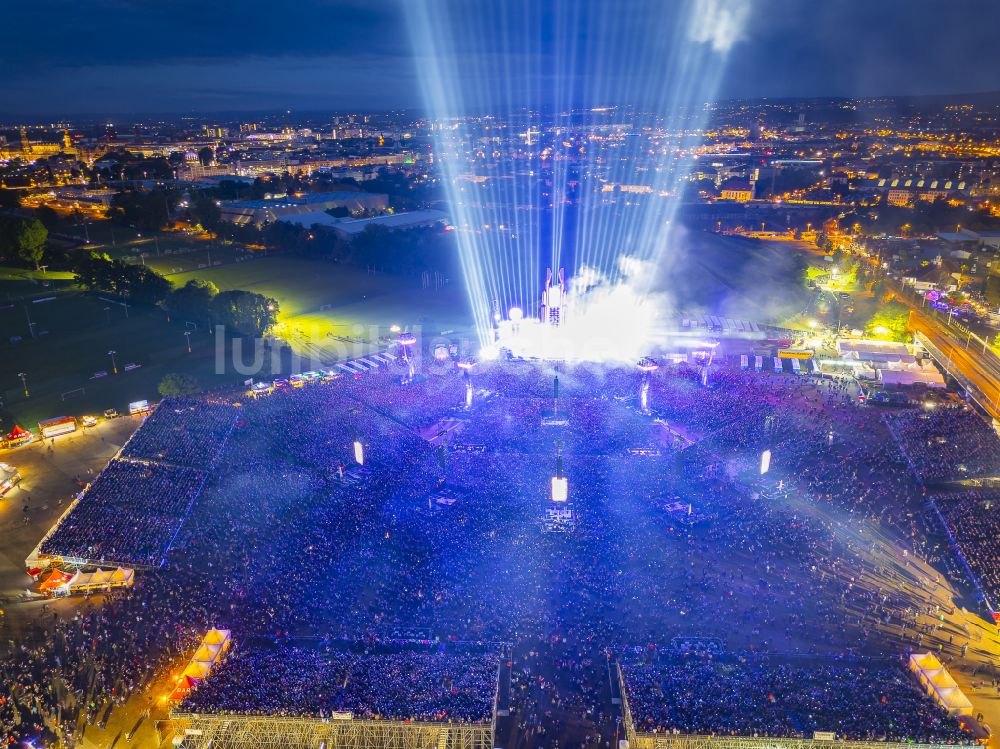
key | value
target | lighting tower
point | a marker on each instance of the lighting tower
(647, 366)
(552, 298)
(406, 340)
(560, 484)
(466, 366)
(25, 145)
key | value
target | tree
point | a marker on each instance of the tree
(206, 155)
(889, 322)
(244, 313)
(142, 285)
(22, 240)
(147, 211)
(192, 301)
(178, 384)
(137, 283)
(205, 211)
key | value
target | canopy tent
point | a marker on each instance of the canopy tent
(18, 436)
(122, 576)
(954, 701)
(57, 580)
(217, 637)
(915, 376)
(196, 669)
(183, 688)
(939, 683)
(208, 653)
(924, 661)
(213, 645)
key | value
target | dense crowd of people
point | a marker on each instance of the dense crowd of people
(183, 432)
(973, 521)
(950, 443)
(755, 696)
(290, 538)
(300, 681)
(133, 510)
(129, 515)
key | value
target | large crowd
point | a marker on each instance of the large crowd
(973, 521)
(950, 443)
(762, 696)
(288, 540)
(299, 681)
(132, 512)
(128, 516)
(183, 432)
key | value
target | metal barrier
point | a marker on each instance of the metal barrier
(196, 731)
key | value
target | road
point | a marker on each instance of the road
(965, 355)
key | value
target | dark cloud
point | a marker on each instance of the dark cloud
(183, 55)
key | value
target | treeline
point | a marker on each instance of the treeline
(925, 218)
(243, 313)
(410, 251)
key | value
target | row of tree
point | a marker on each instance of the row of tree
(410, 251)
(243, 313)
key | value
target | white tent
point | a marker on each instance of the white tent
(939, 683)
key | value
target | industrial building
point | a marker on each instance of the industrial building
(260, 212)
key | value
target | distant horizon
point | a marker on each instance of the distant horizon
(117, 58)
(10, 119)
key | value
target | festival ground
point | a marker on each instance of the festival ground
(832, 554)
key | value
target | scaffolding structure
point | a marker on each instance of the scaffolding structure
(197, 731)
(649, 740)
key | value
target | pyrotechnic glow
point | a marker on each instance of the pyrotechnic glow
(601, 320)
(556, 151)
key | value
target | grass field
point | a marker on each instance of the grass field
(74, 336)
(8, 273)
(322, 304)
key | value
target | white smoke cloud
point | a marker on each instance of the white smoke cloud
(720, 23)
(601, 320)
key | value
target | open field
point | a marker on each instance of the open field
(165, 252)
(8, 273)
(323, 303)
(75, 332)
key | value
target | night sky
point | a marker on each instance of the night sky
(148, 56)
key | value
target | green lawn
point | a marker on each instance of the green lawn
(72, 344)
(74, 335)
(8, 273)
(322, 302)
